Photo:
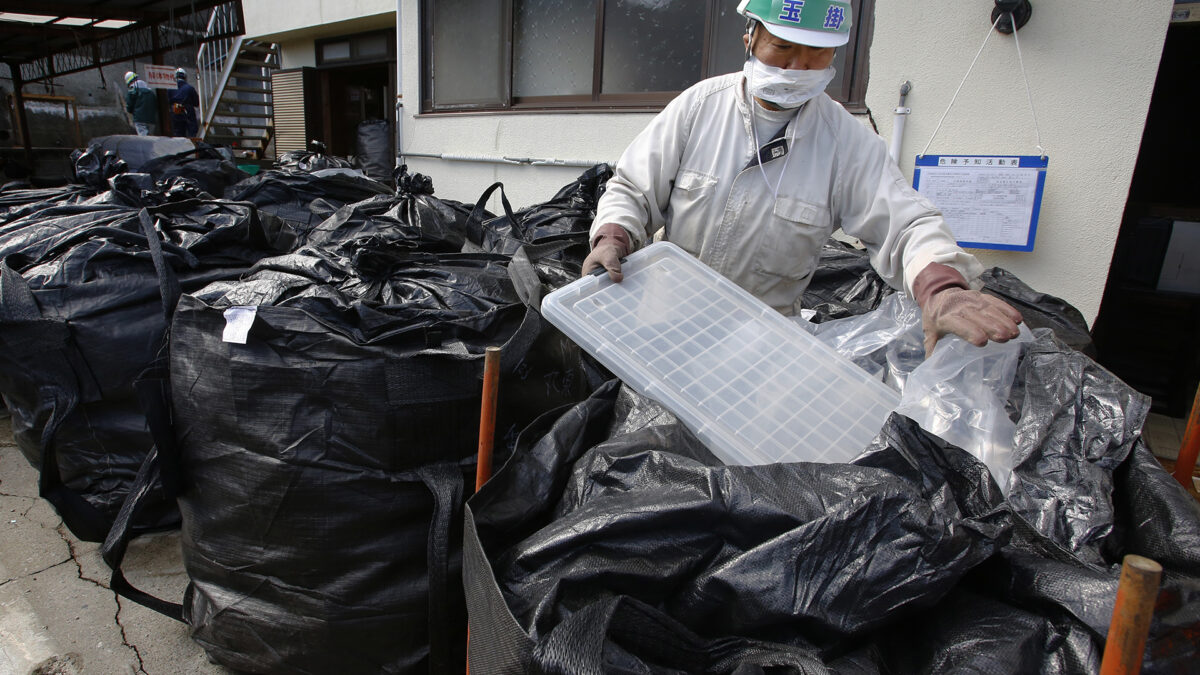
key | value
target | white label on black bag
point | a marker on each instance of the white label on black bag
(237, 324)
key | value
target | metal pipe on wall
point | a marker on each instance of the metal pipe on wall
(902, 113)
(514, 161)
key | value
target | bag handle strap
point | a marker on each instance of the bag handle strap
(27, 334)
(474, 224)
(529, 289)
(445, 482)
(160, 468)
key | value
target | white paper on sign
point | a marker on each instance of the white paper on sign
(237, 324)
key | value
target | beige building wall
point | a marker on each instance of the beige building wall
(1091, 68)
(290, 19)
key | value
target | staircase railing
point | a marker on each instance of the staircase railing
(215, 61)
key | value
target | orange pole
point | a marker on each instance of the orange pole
(487, 415)
(1137, 592)
(1185, 463)
(487, 433)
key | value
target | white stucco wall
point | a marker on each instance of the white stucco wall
(1091, 68)
(304, 17)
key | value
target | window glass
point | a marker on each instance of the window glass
(469, 64)
(335, 51)
(728, 52)
(531, 54)
(553, 47)
(371, 45)
(652, 45)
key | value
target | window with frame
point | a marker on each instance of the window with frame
(490, 55)
(371, 47)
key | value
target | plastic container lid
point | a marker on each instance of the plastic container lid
(754, 386)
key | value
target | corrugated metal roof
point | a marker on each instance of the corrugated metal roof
(47, 38)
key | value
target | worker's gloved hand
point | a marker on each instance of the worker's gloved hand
(609, 245)
(949, 306)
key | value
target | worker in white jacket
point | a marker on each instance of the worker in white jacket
(760, 218)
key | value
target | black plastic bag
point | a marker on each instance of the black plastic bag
(411, 219)
(566, 217)
(313, 159)
(374, 149)
(1040, 310)
(305, 198)
(205, 165)
(792, 555)
(843, 284)
(18, 203)
(87, 294)
(566, 523)
(96, 165)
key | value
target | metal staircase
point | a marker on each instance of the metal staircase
(235, 90)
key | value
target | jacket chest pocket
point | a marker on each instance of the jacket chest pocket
(691, 197)
(791, 243)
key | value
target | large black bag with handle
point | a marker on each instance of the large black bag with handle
(611, 543)
(322, 456)
(87, 292)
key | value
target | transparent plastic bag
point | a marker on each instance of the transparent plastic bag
(958, 394)
(886, 342)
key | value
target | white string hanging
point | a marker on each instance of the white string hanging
(1028, 91)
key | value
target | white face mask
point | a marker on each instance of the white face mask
(785, 88)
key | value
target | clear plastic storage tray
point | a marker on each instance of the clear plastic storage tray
(755, 387)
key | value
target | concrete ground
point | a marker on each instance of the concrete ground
(57, 614)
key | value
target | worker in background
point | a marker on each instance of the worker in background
(142, 104)
(183, 107)
(751, 172)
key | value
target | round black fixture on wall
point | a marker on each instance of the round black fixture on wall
(1011, 13)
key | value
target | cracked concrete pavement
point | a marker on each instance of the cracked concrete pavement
(57, 614)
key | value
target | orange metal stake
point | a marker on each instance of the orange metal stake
(1136, 593)
(487, 415)
(1185, 463)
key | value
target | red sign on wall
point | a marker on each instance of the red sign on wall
(159, 77)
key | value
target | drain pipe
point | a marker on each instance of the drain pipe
(902, 113)
(513, 161)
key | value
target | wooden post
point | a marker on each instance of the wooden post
(1185, 463)
(487, 415)
(1137, 592)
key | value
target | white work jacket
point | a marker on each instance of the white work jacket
(692, 171)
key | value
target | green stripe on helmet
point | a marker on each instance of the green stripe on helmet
(826, 16)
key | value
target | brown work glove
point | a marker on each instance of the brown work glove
(949, 306)
(610, 244)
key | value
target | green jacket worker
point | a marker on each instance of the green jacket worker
(142, 104)
(751, 172)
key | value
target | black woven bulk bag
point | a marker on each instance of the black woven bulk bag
(87, 291)
(326, 450)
